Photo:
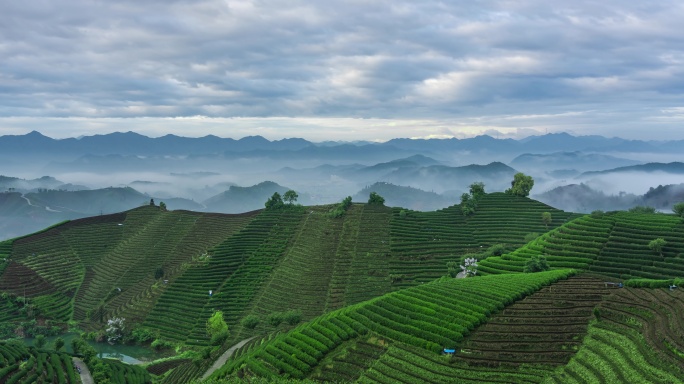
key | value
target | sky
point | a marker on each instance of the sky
(343, 70)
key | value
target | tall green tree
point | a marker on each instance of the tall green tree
(468, 204)
(678, 209)
(546, 219)
(657, 245)
(40, 341)
(59, 343)
(521, 185)
(275, 201)
(216, 324)
(477, 190)
(290, 197)
(375, 198)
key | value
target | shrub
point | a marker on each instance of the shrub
(275, 319)
(219, 338)
(250, 322)
(642, 209)
(536, 264)
(161, 344)
(495, 250)
(292, 317)
(59, 343)
(40, 341)
(142, 335)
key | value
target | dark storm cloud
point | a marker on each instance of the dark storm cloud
(489, 64)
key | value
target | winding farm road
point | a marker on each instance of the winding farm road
(86, 378)
(222, 360)
(33, 205)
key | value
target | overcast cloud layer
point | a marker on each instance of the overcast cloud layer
(350, 70)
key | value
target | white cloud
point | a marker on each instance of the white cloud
(465, 66)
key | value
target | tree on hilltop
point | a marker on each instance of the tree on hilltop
(374, 198)
(275, 201)
(546, 219)
(162, 206)
(521, 185)
(678, 209)
(290, 197)
(469, 200)
(477, 190)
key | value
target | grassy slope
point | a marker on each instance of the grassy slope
(75, 271)
(429, 316)
(614, 245)
(261, 263)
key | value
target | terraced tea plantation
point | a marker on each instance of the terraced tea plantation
(615, 245)
(368, 292)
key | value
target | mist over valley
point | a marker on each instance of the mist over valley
(47, 180)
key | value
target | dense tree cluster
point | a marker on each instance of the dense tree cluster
(521, 185)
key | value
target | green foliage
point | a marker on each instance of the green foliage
(160, 343)
(403, 213)
(275, 318)
(219, 338)
(546, 218)
(521, 185)
(292, 316)
(657, 245)
(530, 236)
(290, 197)
(597, 214)
(642, 209)
(40, 341)
(597, 313)
(477, 190)
(453, 268)
(340, 209)
(274, 202)
(158, 273)
(494, 250)
(468, 204)
(142, 335)
(162, 206)
(216, 325)
(425, 316)
(374, 198)
(536, 263)
(469, 200)
(59, 343)
(250, 322)
(678, 209)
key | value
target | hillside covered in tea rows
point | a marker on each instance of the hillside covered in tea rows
(372, 287)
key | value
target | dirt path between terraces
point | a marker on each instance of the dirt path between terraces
(226, 355)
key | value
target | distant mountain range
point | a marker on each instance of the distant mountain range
(130, 143)
(578, 161)
(405, 197)
(582, 198)
(674, 168)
